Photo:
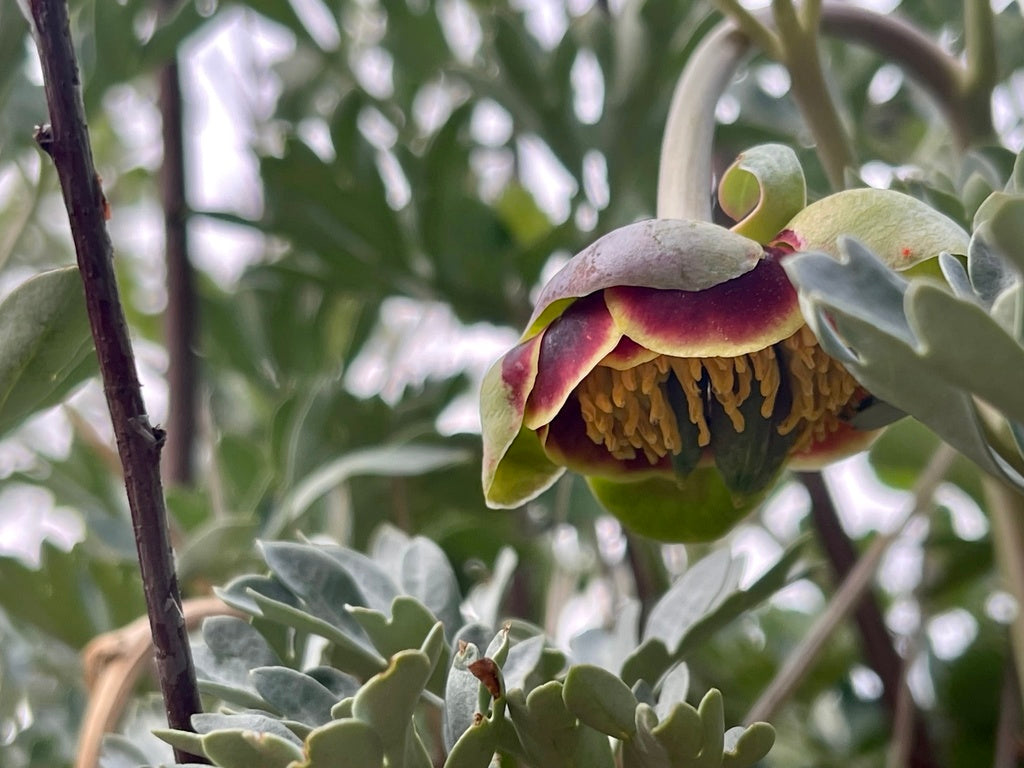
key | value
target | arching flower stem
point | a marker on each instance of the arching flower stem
(684, 178)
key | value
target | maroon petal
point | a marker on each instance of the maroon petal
(844, 442)
(569, 349)
(627, 354)
(745, 314)
(656, 253)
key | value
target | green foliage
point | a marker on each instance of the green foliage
(45, 345)
(517, 698)
(286, 445)
(893, 334)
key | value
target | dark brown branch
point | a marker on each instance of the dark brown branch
(649, 577)
(180, 317)
(877, 644)
(138, 443)
(903, 43)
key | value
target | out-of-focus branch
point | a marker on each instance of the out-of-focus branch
(878, 648)
(1005, 510)
(847, 596)
(1008, 744)
(181, 314)
(980, 67)
(138, 443)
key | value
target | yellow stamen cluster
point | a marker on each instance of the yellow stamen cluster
(628, 411)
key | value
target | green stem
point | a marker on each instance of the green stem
(802, 59)
(810, 13)
(684, 175)
(979, 74)
(763, 37)
(684, 171)
(1006, 510)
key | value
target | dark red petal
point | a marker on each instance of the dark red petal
(519, 371)
(569, 349)
(747, 313)
(844, 442)
(627, 354)
(503, 396)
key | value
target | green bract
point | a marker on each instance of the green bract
(669, 362)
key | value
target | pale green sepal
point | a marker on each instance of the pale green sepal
(475, 747)
(989, 273)
(515, 468)
(988, 207)
(712, 717)
(522, 475)
(901, 230)
(762, 190)
(680, 732)
(699, 507)
(1008, 311)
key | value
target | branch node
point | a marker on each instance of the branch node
(43, 136)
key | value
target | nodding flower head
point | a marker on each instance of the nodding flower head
(670, 364)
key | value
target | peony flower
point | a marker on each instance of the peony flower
(670, 364)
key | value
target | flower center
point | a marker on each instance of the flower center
(632, 411)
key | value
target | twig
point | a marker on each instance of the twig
(138, 443)
(848, 595)
(879, 651)
(906, 741)
(180, 317)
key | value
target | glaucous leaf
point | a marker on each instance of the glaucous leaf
(249, 749)
(601, 700)
(294, 695)
(348, 741)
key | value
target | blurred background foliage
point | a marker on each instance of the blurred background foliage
(376, 188)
